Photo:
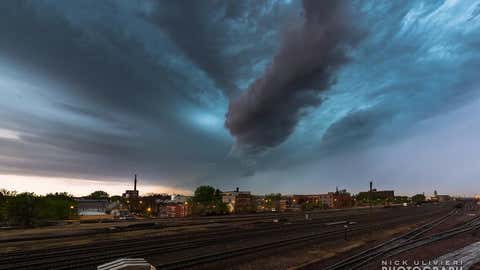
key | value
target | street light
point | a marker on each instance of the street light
(71, 211)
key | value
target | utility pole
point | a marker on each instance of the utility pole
(370, 210)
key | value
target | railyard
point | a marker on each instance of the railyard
(345, 239)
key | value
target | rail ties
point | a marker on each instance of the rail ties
(366, 256)
(215, 257)
(471, 225)
(93, 255)
(208, 258)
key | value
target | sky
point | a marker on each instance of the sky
(282, 96)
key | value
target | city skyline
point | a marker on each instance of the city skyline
(270, 96)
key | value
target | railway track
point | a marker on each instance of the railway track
(403, 243)
(209, 258)
(120, 227)
(358, 260)
(262, 226)
(87, 257)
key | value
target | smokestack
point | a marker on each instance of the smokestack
(135, 183)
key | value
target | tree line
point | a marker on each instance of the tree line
(28, 209)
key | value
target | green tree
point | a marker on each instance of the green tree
(28, 209)
(56, 206)
(208, 201)
(22, 209)
(5, 195)
(418, 198)
(205, 195)
(98, 195)
(116, 198)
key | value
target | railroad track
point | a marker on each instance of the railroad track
(214, 257)
(262, 225)
(120, 227)
(89, 257)
(360, 259)
(65, 259)
(471, 226)
(404, 243)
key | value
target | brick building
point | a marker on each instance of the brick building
(239, 201)
(337, 199)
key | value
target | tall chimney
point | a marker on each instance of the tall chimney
(135, 183)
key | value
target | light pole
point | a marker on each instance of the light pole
(370, 209)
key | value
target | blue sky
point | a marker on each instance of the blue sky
(100, 90)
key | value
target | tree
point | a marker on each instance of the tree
(28, 209)
(5, 196)
(204, 195)
(418, 198)
(208, 201)
(98, 195)
(116, 198)
(22, 209)
(56, 206)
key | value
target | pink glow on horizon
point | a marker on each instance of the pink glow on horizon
(77, 187)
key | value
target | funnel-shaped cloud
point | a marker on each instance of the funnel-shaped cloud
(267, 113)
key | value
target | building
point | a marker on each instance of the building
(177, 210)
(132, 194)
(326, 200)
(172, 209)
(239, 201)
(444, 198)
(171, 206)
(179, 198)
(90, 207)
(379, 195)
(439, 198)
(341, 199)
(301, 199)
(152, 203)
(337, 199)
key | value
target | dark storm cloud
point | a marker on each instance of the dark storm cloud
(122, 106)
(97, 64)
(267, 113)
(354, 129)
(103, 89)
(195, 27)
(204, 30)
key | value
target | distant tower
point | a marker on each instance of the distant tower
(435, 193)
(135, 183)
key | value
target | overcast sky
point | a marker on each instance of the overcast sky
(269, 96)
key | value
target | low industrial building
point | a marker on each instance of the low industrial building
(337, 199)
(89, 207)
(132, 194)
